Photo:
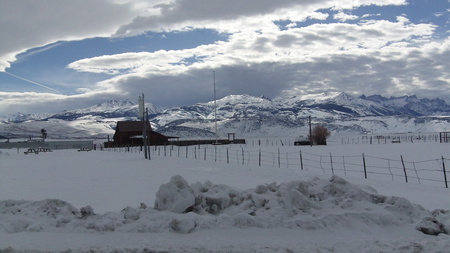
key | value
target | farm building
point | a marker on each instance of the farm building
(130, 133)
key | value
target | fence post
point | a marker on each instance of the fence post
(343, 165)
(243, 159)
(301, 160)
(365, 169)
(390, 171)
(228, 158)
(279, 163)
(417, 174)
(259, 158)
(445, 173)
(331, 161)
(404, 169)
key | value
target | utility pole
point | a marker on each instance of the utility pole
(215, 105)
(147, 139)
(144, 131)
(310, 132)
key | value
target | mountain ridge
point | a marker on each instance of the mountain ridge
(252, 116)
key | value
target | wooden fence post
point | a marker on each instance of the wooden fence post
(331, 161)
(415, 170)
(279, 163)
(445, 173)
(404, 169)
(259, 158)
(364, 164)
(301, 160)
(343, 165)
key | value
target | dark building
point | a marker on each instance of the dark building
(130, 133)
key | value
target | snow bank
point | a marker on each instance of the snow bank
(182, 208)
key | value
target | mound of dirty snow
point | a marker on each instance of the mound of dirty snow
(182, 208)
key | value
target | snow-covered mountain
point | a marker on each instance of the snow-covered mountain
(338, 111)
(247, 115)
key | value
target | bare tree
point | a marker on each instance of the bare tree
(319, 135)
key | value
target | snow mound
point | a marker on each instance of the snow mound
(182, 208)
(175, 196)
(17, 216)
(437, 223)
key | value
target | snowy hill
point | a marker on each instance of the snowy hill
(247, 115)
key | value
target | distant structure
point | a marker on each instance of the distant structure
(444, 137)
(129, 133)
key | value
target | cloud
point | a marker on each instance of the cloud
(235, 15)
(34, 102)
(344, 17)
(30, 24)
(376, 56)
(371, 56)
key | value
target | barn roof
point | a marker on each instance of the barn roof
(132, 126)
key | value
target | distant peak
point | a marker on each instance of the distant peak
(118, 102)
(266, 98)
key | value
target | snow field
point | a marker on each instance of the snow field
(107, 201)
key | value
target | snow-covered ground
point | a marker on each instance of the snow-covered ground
(104, 201)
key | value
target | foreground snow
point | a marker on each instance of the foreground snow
(120, 202)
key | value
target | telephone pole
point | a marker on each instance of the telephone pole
(310, 132)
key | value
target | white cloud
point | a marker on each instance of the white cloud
(372, 53)
(344, 17)
(30, 24)
(371, 56)
(295, 45)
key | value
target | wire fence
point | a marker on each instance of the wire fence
(429, 172)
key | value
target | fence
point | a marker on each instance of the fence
(48, 144)
(430, 172)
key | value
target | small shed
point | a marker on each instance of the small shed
(130, 133)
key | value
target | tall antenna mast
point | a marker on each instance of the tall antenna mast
(215, 104)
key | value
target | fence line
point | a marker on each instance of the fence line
(430, 171)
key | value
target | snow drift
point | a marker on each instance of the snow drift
(182, 208)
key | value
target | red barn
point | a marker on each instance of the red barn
(130, 133)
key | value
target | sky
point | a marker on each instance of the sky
(60, 55)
